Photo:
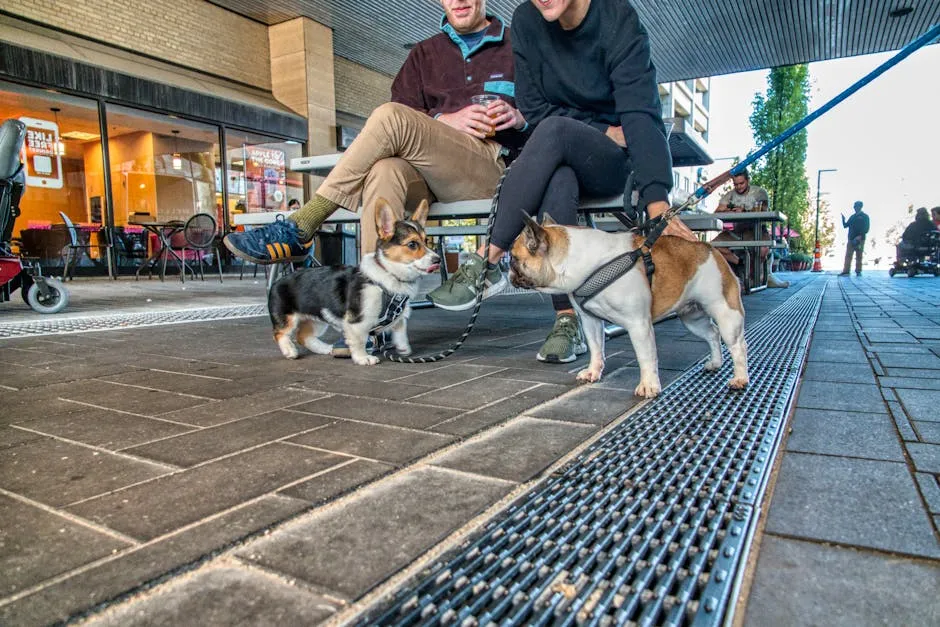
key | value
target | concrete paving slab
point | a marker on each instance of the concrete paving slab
(346, 549)
(852, 434)
(218, 412)
(469, 423)
(912, 383)
(394, 445)
(381, 411)
(517, 451)
(131, 569)
(803, 583)
(105, 428)
(837, 351)
(57, 473)
(151, 509)
(928, 431)
(911, 373)
(908, 359)
(36, 544)
(926, 457)
(851, 501)
(921, 404)
(225, 596)
(929, 485)
(841, 396)
(211, 443)
(589, 405)
(470, 395)
(843, 373)
(337, 481)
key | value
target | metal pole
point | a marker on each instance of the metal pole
(817, 261)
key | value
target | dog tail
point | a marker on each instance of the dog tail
(280, 304)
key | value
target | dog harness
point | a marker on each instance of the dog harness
(604, 276)
(393, 305)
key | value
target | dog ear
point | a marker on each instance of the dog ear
(535, 239)
(421, 213)
(384, 219)
(548, 220)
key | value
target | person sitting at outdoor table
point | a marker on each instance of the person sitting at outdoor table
(428, 142)
(935, 215)
(746, 197)
(585, 80)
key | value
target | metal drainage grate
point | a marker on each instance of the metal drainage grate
(58, 326)
(651, 524)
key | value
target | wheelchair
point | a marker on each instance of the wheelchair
(45, 295)
(922, 257)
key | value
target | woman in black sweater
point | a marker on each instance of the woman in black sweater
(585, 82)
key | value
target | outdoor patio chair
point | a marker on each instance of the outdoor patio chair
(201, 237)
(76, 248)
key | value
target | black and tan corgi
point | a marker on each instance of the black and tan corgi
(356, 300)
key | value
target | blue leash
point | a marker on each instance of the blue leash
(933, 34)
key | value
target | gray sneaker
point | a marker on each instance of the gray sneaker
(564, 343)
(459, 291)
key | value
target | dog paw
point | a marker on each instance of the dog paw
(589, 376)
(647, 389)
(712, 366)
(368, 360)
(738, 383)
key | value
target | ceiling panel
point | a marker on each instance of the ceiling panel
(690, 38)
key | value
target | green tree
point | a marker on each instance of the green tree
(783, 172)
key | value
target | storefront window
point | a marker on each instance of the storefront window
(162, 168)
(62, 156)
(258, 174)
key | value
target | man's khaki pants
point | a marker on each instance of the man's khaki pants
(406, 156)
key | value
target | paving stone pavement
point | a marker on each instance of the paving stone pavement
(188, 474)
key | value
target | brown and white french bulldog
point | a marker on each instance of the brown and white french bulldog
(691, 279)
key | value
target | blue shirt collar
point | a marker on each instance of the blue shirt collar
(494, 32)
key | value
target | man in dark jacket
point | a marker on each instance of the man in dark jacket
(857, 225)
(429, 142)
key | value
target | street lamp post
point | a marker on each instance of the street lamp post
(817, 260)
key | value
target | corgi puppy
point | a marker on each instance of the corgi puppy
(691, 279)
(356, 300)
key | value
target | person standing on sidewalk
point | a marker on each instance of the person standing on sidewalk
(585, 80)
(858, 225)
(429, 142)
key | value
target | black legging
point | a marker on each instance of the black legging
(563, 158)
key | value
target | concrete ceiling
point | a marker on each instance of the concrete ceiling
(690, 38)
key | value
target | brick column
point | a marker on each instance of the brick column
(302, 77)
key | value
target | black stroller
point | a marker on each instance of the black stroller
(921, 257)
(45, 295)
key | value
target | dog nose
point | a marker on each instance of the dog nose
(435, 258)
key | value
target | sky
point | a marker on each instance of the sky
(884, 140)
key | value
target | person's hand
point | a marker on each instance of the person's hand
(504, 116)
(471, 120)
(676, 227)
(616, 134)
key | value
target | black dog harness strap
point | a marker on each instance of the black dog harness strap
(393, 305)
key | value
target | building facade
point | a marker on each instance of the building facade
(160, 111)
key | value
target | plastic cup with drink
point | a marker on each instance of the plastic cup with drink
(485, 100)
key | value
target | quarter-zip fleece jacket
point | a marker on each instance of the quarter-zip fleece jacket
(441, 74)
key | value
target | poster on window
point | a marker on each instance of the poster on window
(265, 178)
(40, 155)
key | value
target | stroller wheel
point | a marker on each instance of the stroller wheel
(891, 271)
(57, 300)
(912, 272)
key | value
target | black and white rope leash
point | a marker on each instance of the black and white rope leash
(479, 286)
